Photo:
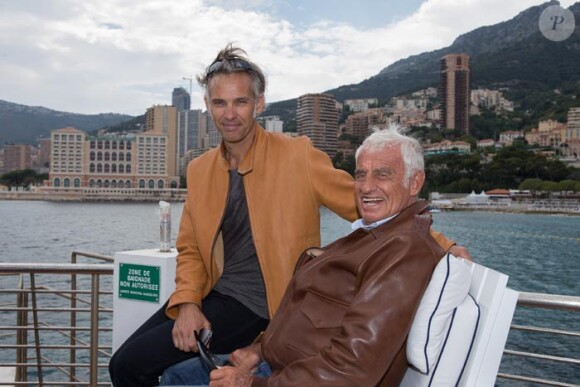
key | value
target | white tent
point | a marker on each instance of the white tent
(474, 198)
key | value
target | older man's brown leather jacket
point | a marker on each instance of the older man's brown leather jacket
(345, 316)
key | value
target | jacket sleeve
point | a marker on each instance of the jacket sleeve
(191, 276)
(442, 240)
(333, 188)
(375, 327)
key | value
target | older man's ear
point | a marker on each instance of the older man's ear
(416, 183)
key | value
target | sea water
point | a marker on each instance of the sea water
(540, 253)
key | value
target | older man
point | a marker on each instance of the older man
(346, 313)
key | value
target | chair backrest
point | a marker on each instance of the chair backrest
(497, 303)
(461, 326)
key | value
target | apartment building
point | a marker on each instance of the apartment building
(549, 133)
(455, 92)
(508, 137)
(360, 104)
(447, 147)
(360, 124)
(573, 126)
(18, 156)
(317, 118)
(272, 123)
(147, 160)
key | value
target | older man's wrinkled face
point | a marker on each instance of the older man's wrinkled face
(380, 184)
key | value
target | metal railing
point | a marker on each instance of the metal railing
(58, 331)
(37, 341)
(546, 312)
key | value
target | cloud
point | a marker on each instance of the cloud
(111, 26)
(126, 55)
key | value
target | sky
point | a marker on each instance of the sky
(124, 56)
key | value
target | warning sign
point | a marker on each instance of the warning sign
(139, 282)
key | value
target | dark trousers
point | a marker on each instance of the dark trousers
(149, 351)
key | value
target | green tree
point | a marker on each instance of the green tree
(550, 186)
(22, 178)
(344, 114)
(488, 124)
(574, 174)
(451, 187)
(532, 185)
(290, 126)
(476, 186)
(355, 141)
(346, 163)
(514, 164)
(464, 185)
(470, 140)
(567, 185)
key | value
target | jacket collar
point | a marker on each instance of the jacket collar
(418, 210)
(247, 164)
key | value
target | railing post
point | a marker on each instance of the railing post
(94, 354)
(36, 331)
(73, 322)
(22, 333)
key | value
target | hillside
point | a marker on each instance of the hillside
(21, 124)
(511, 54)
(542, 78)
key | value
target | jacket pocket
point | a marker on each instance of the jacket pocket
(322, 311)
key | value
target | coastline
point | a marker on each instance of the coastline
(96, 196)
(529, 205)
(504, 210)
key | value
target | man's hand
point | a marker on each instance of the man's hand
(230, 377)
(247, 358)
(189, 319)
(461, 252)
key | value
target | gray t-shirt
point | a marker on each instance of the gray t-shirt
(242, 278)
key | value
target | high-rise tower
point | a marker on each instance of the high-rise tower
(317, 118)
(189, 134)
(180, 99)
(455, 92)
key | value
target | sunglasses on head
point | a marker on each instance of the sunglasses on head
(238, 64)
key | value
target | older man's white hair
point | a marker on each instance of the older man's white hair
(411, 150)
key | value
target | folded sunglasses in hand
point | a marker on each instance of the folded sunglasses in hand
(209, 359)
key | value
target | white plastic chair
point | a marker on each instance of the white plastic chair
(458, 338)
